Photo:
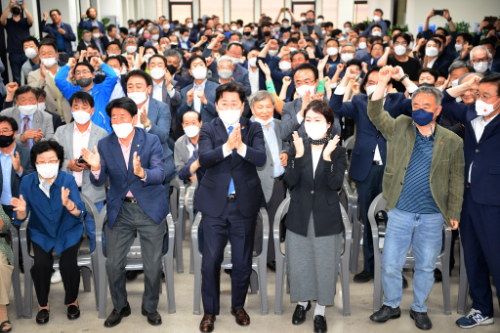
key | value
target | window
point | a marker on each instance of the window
(212, 7)
(360, 11)
(242, 10)
(271, 8)
(302, 6)
(330, 8)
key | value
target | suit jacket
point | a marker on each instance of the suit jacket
(442, 63)
(181, 152)
(316, 28)
(318, 194)
(150, 193)
(367, 135)
(87, 25)
(212, 193)
(68, 37)
(193, 36)
(182, 81)
(175, 126)
(15, 179)
(208, 111)
(41, 120)
(266, 172)
(64, 135)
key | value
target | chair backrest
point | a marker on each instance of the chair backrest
(349, 143)
(347, 229)
(376, 206)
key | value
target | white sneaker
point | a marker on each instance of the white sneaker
(473, 319)
(56, 277)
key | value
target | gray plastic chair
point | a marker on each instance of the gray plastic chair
(259, 265)
(177, 210)
(86, 260)
(443, 260)
(349, 143)
(357, 226)
(281, 266)
(16, 278)
(463, 285)
(134, 263)
(190, 209)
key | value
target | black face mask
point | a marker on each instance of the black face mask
(84, 82)
(247, 33)
(426, 85)
(16, 10)
(310, 20)
(6, 140)
(267, 33)
(171, 69)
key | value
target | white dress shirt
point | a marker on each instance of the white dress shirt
(80, 140)
(145, 108)
(253, 77)
(157, 91)
(117, 90)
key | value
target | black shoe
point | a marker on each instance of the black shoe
(422, 320)
(405, 282)
(272, 265)
(320, 324)
(228, 272)
(153, 318)
(363, 277)
(42, 317)
(116, 316)
(438, 276)
(73, 312)
(299, 315)
(131, 275)
(385, 313)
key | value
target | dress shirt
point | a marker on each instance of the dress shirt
(196, 99)
(190, 146)
(98, 43)
(118, 90)
(272, 141)
(6, 164)
(157, 91)
(30, 125)
(431, 62)
(80, 140)
(253, 77)
(145, 108)
(45, 185)
(478, 125)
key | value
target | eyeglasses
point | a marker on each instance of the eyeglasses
(306, 81)
(480, 60)
(482, 98)
(49, 162)
(5, 131)
(401, 43)
(82, 73)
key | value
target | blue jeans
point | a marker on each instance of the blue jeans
(90, 225)
(424, 233)
(16, 61)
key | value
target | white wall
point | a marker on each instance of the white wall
(345, 12)
(111, 8)
(385, 5)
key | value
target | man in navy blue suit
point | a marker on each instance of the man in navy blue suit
(479, 227)
(132, 160)
(61, 31)
(231, 148)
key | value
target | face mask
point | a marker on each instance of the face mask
(422, 117)
(16, 10)
(454, 83)
(292, 49)
(332, 51)
(87, 39)
(252, 62)
(286, 25)
(285, 66)
(315, 130)
(400, 50)
(199, 73)
(155, 37)
(483, 109)
(147, 57)
(113, 54)
(27, 110)
(459, 47)
(81, 117)
(123, 130)
(6, 140)
(362, 46)
(178, 34)
(284, 40)
(267, 33)
(229, 117)
(147, 36)
(138, 97)
(220, 29)
(157, 73)
(30, 53)
(190, 25)
(276, 29)
(174, 45)
(346, 57)
(171, 69)
(264, 122)
(48, 170)
(233, 27)
(41, 106)
(166, 27)
(370, 89)
(131, 49)
(319, 21)
(273, 53)
(185, 38)
(481, 67)
(303, 18)
(96, 36)
(347, 29)
(440, 87)
(304, 88)
(84, 82)
(310, 20)
(247, 33)
(376, 33)
(431, 52)
(49, 62)
(132, 30)
(376, 18)
(225, 74)
(191, 131)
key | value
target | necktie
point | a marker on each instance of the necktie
(25, 129)
(231, 184)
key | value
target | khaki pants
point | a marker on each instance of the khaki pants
(5, 279)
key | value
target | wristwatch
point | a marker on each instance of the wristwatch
(449, 19)
(149, 125)
(404, 77)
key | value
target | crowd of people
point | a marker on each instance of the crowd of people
(246, 112)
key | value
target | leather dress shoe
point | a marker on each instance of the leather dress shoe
(272, 265)
(299, 315)
(241, 316)
(385, 313)
(320, 324)
(422, 320)
(207, 323)
(153, 318)
(73, 312)
(116, 316)
(132, 275)
(42, 317)
(363, 277)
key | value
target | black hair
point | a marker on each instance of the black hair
(435, 40)
(296, 24)
(11, 121)
(365, 79)
(376, 25)
(445, 31)
(294, 53)
(115, 42)
(405, 36)
(335, 32)
(114, 58)
(356, 30)
(39, 92)
(183, 30)
(86, 64)
(327, 24)
(54, 10)
(122, 103)
(86, 32)
(373, 39)
(431, 71)
(23, 90)
(141, 73)
(230, 87)
(81, 96)
(92, 46)
(110, 28)
(44, 146)
(306, 66)
(379, 10)
(488, 40)
(235, 44)
(467, 37)
(361, 26)
(334, 39)
(94, 28)
(189, 111)
(124, 30)
(157, 56)
(240, 22)
(292, 40)
(31, 39)
(150, 47)
(353, 62)
(348, 22)
(194, 57)
(49, 42)
(493, 78)
(322, 107)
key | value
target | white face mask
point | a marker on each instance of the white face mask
(157, 73)
(131, 49)
(49, 62)
(371, 90)
(96, 36)
(177, 34)
(252, 62)
(315, 130)
(123, 130)
(166, 26)
(483, 109)
(459, 47)
(117, 72)
(113, 54)
(376, 18)
(264, 122)
(399, 50)
(304, 88)
(185, 38)
(230, 117)
(286, 25)
(132, 30)
(347, 29)
(138, 97)
(285, 66)
(377, 33)
(412, 45)
(362, 46)
(319, 21)
(303, 18)
(41, 106)
(190, 25)
(191, 131)
(199, 73)
(292, 49)
(30, 53)
(235, 61)
(233, 27)
(332, 51)
(346, 57)
(431, 52)
(81, 117)
(481, 67)
(27, 110)
(48, 170)
(155, 37)
(273, 53)
(454, 83)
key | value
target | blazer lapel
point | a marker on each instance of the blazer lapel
(37, 120)
(320, 167)
(438, 149)
(118, 155)
(489, 129)
(220, 129)
(69, 137)
(93, 138)
(137, 145)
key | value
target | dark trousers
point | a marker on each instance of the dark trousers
(131, 220)
(41, 272)
(16, 61)
(240, 231)
(9, 210)
(480, 235)
(368, 189)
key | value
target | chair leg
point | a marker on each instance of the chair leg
(178, 246)
(262, 277)
(103, 288)
(445, 272)
(463, 288)
(16, 284)
(197, 284)
(280, 281)
(191, 259)
(344, 279)
(377, 288)
(86, 279)
(169, 281)
(95, 278)
(254, 283)
(356, 239)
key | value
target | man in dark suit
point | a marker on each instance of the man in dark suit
(87, 40)
(229, 197)
(174, 62)
(132, 160)
(61, 31)
(91, 13)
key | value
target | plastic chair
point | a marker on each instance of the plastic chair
(463, 285)
(281, 267)
(16, 278)
(349, 145)
(443, 260)
(134, 262)
(259, 265)
(357, 226)
(86, 260)
(177, 211)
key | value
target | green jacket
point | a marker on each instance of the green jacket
(447, 166)
(4, 247)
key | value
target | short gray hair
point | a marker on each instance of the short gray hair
(347, 44)
(173, 53)
(225, 58)
(479, 47)
(466, 75)
(428, 91)
(154, 27)
(460, 64)
(260, 96)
